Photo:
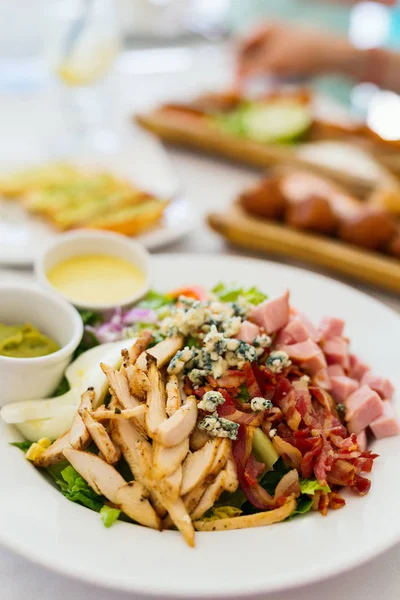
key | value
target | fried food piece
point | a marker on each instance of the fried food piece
(314, 214)
(265, 200)
(370, 228)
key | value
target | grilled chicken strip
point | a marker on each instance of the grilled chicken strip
(167, 460)
(173, 395)
(54, 453)
(137, 452)
(100, 437)
(210, 496)
(137, 381)
(132, 500)
(198, 464)
(155, 398)
(105, 480)
(140, 346)
(102, 477)
(162, 352)
(176, 429)
(102, 414)
(79, 435)
(232, 481)
(120, 387)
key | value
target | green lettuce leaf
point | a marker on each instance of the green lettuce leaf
(24, 446)
(271, 479)
(75, 488)
(109, 515)
(231, 293)
(222, 512)
(155, 300)
(303, 506)
(310, 486)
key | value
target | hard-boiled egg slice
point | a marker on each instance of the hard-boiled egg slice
(51, 428)
(75, 372)
(19, 412)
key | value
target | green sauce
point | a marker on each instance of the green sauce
(24, 341)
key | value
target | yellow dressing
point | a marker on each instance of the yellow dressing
(97, 279)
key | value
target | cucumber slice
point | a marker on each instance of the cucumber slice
(263, 449)
(276, 121)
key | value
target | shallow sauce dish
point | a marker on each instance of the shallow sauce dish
(69, 538)
(29, 378)
(97, 250)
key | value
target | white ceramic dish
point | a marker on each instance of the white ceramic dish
(233, 564)
(84, 242)
(29, 378)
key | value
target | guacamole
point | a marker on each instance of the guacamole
(24, 341)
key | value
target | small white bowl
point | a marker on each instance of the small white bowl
(83, 242)
(30, 378)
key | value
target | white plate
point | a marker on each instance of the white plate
(22, 237)
(38, 522)
(142, 160)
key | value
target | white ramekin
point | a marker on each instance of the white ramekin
(86, 242)
(30, 378)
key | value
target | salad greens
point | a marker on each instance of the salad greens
(74, 487)
(109, 515)
(310, 486)
(231, 293)
(24, 446)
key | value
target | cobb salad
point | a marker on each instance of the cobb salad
(209, 410)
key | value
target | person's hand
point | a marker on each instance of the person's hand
(286, 51)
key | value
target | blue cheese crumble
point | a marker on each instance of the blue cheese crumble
(178, 362)
(259, 404)
(278, 360)
(219, 427)
(210, 401)
(261, 342)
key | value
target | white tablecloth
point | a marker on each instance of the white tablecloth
(209, 185)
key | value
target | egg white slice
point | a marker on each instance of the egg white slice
(52, 428)
(19, 412)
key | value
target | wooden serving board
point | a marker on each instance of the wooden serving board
(190, 130)
(257, 234)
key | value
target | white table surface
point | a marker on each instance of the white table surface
(209, 185)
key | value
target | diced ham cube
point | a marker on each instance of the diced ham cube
(335, 370)
(387, 424)
(308, 354)
(363, 407)
(336, 352)
(342, 387)
(272, 315)
(379, 384)
(362, 440)
(331, 327)
(313, 332)
(299, 329)
(248, 332)
(357, 368)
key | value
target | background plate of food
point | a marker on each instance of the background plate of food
(273, 383)
(135, 193)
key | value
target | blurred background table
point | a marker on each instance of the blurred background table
(179, 65)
